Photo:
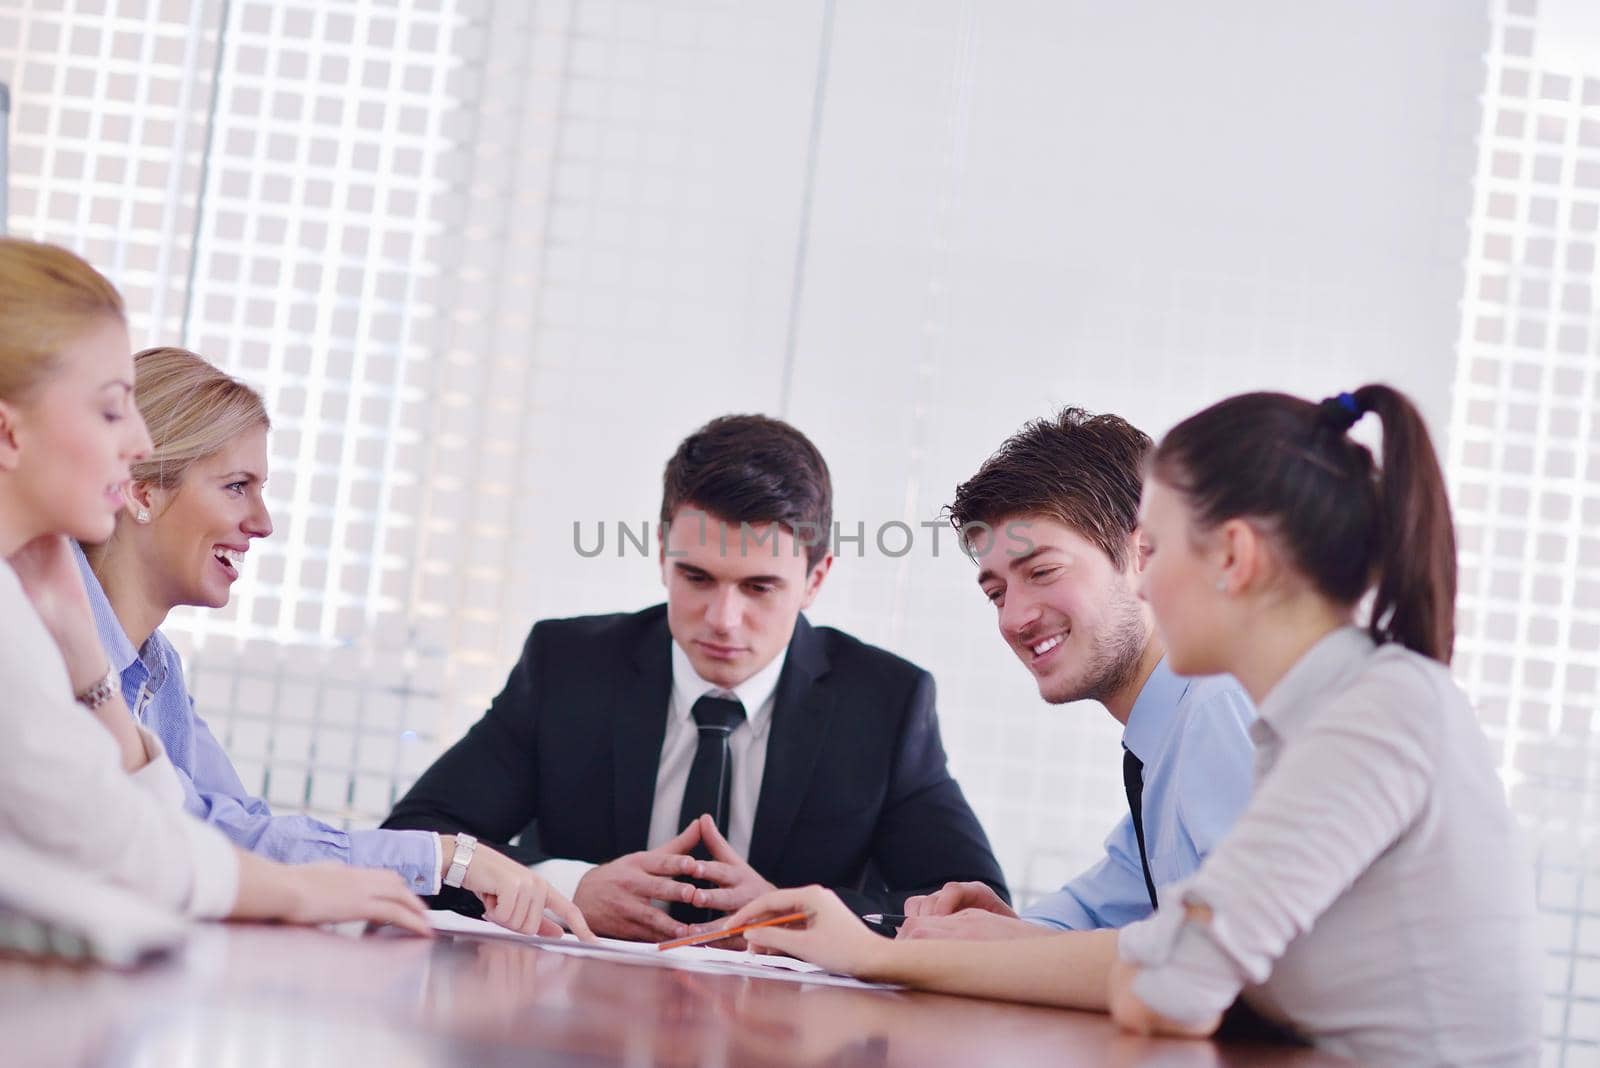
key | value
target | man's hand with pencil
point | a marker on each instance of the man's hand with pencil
(825, 932)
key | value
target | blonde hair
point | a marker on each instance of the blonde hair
(192, 410)
(48, 297)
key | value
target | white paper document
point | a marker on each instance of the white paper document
(689, 958)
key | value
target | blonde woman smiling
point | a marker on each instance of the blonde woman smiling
(79, 779)
(195, 506)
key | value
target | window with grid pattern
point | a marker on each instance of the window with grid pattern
(108, 138)
(1525, 473)
(260, 178)
(320, 223)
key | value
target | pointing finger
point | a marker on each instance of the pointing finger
(570, 915)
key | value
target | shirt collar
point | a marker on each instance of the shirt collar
(112, 636)
(755, 693)
(1152, 711)
(1317, 673)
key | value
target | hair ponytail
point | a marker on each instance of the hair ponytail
(1344, 522)
(1416, 568)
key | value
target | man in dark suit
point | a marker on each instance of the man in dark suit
(644, 750)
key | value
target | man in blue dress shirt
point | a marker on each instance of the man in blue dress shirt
(1052, 521)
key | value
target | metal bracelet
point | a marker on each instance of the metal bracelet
(99, 693)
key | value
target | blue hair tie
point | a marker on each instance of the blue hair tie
(1340, 412)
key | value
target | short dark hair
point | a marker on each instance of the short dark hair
(1346, 522)
(1083, 470)
(753, 469)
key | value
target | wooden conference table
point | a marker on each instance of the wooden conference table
(258, 995)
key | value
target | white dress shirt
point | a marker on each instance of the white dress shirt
(1375, 895)
(63, 790)
(748, 752)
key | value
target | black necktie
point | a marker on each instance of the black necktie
(710, 783)
(1133, 782)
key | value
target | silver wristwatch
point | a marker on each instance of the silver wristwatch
(466, 845)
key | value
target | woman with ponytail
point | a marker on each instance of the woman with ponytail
(1373, 897)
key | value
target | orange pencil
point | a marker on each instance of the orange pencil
(717, 936)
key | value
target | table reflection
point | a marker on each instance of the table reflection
(262, 995)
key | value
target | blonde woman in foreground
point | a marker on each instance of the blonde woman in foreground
(79, 780)
(1374, 895)
(195, 506)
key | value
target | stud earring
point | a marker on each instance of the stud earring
(1222, 585)
(142, 515)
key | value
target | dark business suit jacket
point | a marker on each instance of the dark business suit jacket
(855, 794)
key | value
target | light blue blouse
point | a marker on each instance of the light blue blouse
(153, 686)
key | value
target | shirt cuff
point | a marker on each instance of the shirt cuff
(214, 887)
(564, 875)
(1183, 974)
(1059, 911)
(415, 855)
(212, 860)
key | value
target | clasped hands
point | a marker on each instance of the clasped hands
(616, 898)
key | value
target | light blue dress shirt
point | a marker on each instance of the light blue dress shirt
(153, 686)
(1193, 736)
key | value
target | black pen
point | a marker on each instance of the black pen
(884, 923)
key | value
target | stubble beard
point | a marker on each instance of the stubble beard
(1114, 661)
